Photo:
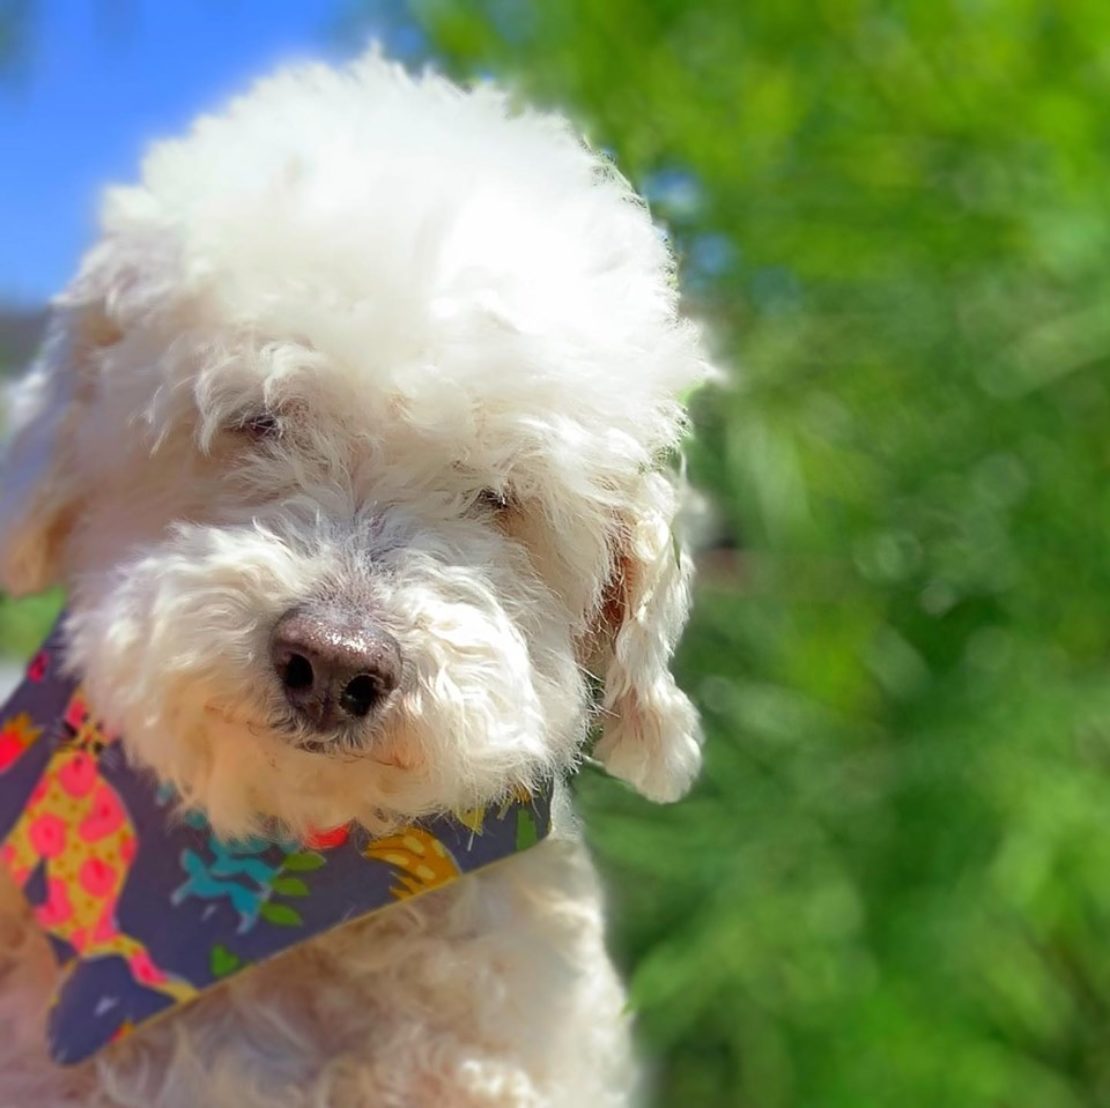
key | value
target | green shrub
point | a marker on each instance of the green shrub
(24, 624)
(890, 887)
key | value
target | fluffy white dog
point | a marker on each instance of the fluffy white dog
(353, 443)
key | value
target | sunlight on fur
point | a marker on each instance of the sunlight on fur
(370, 346)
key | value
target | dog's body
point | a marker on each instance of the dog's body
(494, 991)
(350, 443)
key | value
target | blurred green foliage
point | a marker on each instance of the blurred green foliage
(893, 885)
(24, 622)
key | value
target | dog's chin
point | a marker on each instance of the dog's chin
(252, 770)
(252, 774)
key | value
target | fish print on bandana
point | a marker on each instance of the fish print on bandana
(145, 907)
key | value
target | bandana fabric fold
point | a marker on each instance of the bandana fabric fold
(145, 908)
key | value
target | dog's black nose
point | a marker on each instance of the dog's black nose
(334, 669)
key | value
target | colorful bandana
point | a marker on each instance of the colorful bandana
(146, 908)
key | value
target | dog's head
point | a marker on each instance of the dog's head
(350, 443)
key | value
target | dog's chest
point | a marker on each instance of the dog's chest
(504, 972)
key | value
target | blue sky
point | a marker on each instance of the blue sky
(104, 77)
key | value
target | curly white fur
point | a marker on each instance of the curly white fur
(430, 301)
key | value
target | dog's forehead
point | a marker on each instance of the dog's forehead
(327, 198)
(397, 244)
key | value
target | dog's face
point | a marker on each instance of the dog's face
(349, 443)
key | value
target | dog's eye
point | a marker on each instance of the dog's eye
(258, 426)
(496, 500)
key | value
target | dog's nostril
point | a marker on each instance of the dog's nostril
(360, 696)
(297, 673)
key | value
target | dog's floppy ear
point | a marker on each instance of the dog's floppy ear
(39, 481)
(650, 733)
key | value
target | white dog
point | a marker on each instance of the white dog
(372, 361)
